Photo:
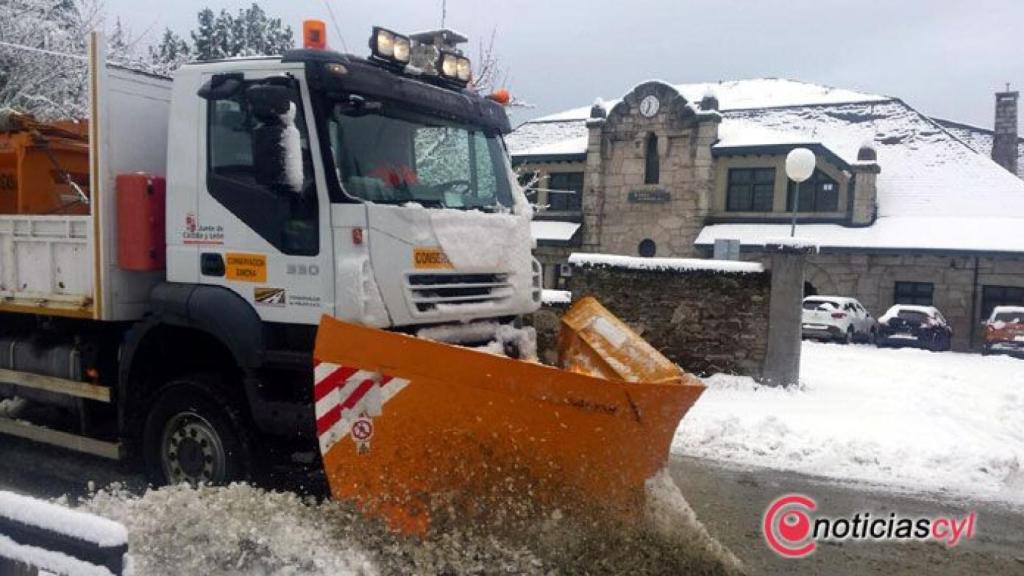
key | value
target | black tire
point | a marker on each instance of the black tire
(194, 434)
(847, 337)
(947, 343)
(941, 343)
(873, 337)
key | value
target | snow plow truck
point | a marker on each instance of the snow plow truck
(294, 256)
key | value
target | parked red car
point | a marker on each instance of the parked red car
(1004, 331)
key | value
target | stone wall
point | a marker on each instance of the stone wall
(706, 321)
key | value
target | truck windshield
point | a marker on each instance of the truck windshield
(395, 156)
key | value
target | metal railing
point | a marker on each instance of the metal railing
(38, 537)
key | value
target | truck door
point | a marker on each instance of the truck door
(263, 221)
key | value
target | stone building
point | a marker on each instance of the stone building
(905, 208)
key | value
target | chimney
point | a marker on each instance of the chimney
(1004, 144)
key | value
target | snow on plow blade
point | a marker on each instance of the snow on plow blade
(408, 426)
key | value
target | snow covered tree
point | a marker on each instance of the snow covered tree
(249, 33)
(170, 53)
(42, 66)
(204, 36)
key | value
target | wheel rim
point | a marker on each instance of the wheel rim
(191, 451)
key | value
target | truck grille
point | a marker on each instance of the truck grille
(429, 292)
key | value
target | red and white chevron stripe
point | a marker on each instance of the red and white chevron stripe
(344, 393)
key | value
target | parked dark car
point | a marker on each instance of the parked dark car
(914, 326)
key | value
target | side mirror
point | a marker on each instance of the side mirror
(269, 101)
(221, 87)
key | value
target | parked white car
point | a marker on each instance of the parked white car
(837, 318)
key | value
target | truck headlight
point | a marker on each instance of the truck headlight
(388, 45)
(454, 67)
(463, 71)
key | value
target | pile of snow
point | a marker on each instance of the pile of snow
(233, 531)
(663, 264)
(556, 297)
(239, 530)
(912, 419)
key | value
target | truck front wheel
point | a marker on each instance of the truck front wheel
(193, 435)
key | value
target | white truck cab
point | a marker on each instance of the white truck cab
(318, 183)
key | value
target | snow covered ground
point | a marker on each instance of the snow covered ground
(909, 419)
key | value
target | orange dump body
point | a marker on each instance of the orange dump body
(406, 424)
(34, 167)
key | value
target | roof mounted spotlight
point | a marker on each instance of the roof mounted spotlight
(390, 46)
(454, 66)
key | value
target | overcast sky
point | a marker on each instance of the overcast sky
(944, 57)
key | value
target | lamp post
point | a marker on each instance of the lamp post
(799, 167)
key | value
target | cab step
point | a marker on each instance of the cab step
(56, 385)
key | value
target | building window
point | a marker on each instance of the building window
(647, 248)
(750, 190)
(916, 293)
(818, 194)
(992, 296)
(652, 164)
(565, 191)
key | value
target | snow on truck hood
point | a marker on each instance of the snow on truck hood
(480, 241)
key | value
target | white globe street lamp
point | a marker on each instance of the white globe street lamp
(800, 164)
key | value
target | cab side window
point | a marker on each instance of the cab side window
(259, 165)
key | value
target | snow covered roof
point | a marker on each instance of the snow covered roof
(552, 230)
(674, 264)
(743, 94)
(934, 191)
(541, 140)
(980, 139)
(565, 133)
(947, 234)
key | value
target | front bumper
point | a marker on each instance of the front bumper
(1011, 347)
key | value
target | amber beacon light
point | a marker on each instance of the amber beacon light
(314, 34)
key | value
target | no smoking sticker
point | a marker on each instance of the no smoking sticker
(362, 429)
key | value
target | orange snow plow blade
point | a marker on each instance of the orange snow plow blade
(408, 425)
